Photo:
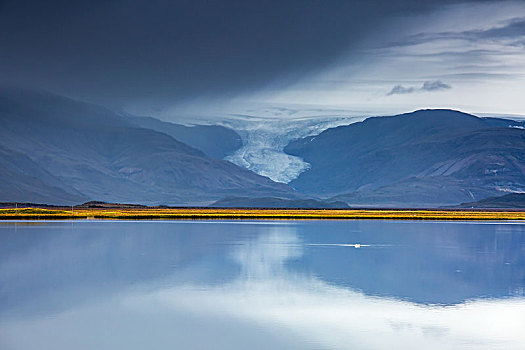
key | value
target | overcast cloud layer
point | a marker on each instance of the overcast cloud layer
(200, 57)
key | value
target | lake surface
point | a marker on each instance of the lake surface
(262, 285)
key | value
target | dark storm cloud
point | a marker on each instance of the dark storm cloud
(428, 86)
(128, 51)
(513, 30)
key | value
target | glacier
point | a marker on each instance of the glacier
(264, 141)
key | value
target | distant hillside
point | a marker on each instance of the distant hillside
(273, 202)
(214, 140)
(56, 150)
(508, 201)
(424, 158)
(87, 205)
(59, 151)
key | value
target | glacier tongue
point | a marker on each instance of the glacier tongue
(264, 141)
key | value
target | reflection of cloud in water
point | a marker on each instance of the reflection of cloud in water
(264, 257)
(336, 317)
(267, 306)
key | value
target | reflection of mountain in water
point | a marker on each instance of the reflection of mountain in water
(279, 285)
(425, 262)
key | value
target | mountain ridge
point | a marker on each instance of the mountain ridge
(214, 140)
(88, 152)
(442, 156)
(60, 151)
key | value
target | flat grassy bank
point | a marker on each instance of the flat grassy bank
(291, 214)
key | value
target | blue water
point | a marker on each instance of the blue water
(262, 285)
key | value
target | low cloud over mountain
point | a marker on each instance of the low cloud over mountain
(428, 86)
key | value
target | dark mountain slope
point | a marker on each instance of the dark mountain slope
(23, 180)
(428, 157)
(508, 201)
(417, 192)
(273, 202)
(214, 140)
(89, 152)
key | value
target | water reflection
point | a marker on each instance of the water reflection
(277, 285)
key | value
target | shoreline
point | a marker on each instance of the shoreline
(259, 214)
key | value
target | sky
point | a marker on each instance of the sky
(276, 59)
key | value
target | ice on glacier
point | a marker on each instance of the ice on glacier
(264, 141)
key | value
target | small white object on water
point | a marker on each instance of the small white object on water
(355, 245)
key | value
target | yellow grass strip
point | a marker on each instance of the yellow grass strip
(214, 213)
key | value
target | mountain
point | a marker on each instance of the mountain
(273, 202)
(508, 201)
(24, 180)
(214, 140)
(424, 158)
(60, 151)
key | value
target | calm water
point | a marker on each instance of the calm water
(262, 285)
